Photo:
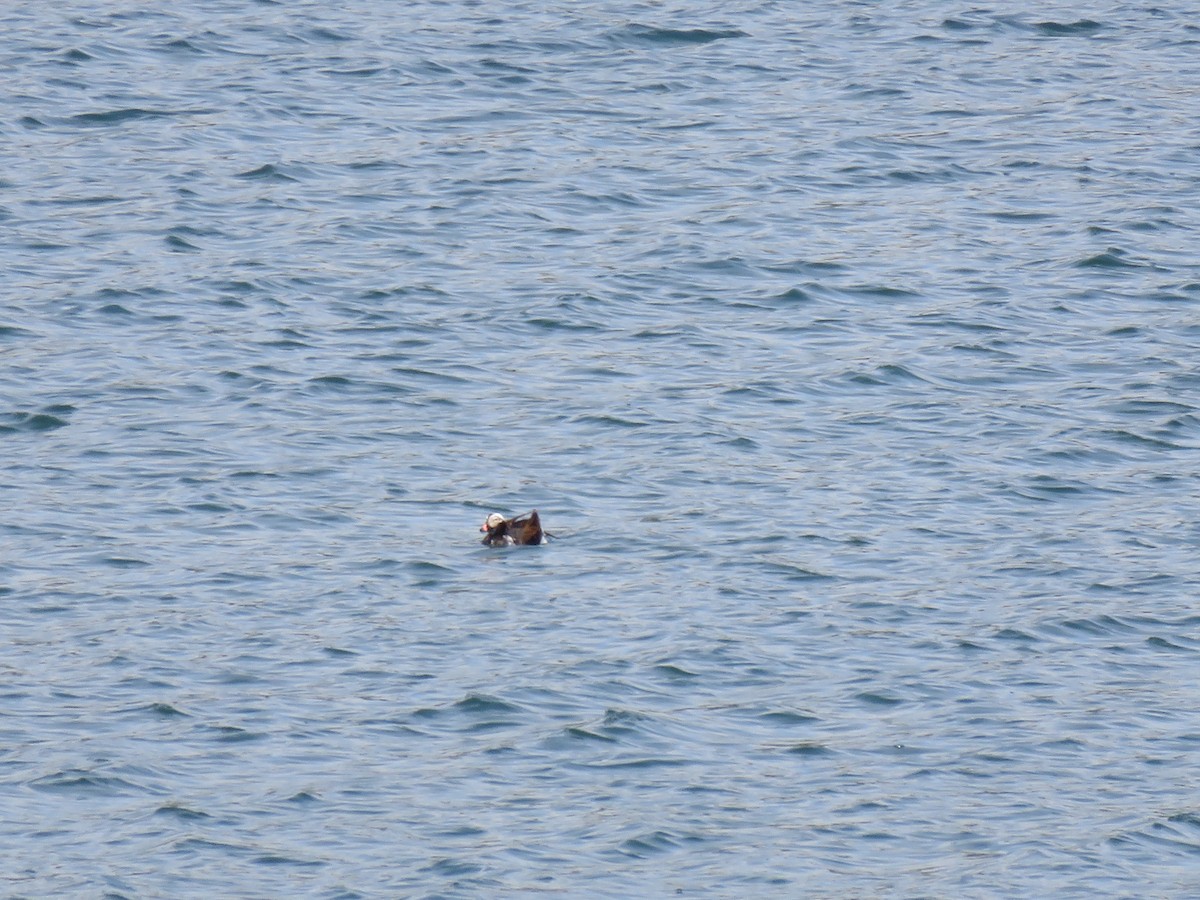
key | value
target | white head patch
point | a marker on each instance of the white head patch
(493, 520)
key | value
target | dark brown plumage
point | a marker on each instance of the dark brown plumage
(502, 532)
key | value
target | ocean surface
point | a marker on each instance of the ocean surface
(851, 352)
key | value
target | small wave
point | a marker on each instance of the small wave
(1100, 626)
(1015, 635)
(881, 290)
(620, 725)
(119, 116)
(334, 382)
(166, 711)
(642, 762)
(124, 562)
(191, 845)
(481, 712)
(789, 571)
(793, 296)
(1179, 833)
(1161, 643)
(609, 421)
(1123, 436)
(90, 200)
(46, 420)
(578, 733)
(869, 92)
(653, 843)
(266, 172)
(1021, 216)
(1082, 27)
(78, 782)
(1140, 407)
(452, 868)
(674, 673)
(175, 242)
(788, 718)
(1111, 259)
(275, 859)
(890, 374)
(809, 748)
(231, 734)
(363, 72)
(430, 375)
(548, 323)
(646, 34)
(1048, 487)
(428, 574)
(484, 704)
(873, 698)
(182, 813)
(928, 176)
(329, 35)
(183, 46)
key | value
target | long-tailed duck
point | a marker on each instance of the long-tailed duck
(502, 532)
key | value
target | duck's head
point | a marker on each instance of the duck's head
(491, 522)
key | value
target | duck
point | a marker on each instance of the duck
(502, 532)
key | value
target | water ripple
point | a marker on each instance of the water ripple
(848, 353)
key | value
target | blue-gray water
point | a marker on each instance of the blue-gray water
(850, 349)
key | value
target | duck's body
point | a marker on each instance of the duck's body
(502, 532)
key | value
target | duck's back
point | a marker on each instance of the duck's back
(526, 529)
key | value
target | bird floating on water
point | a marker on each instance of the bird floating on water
(502, 532)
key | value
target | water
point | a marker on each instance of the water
(849, 349)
